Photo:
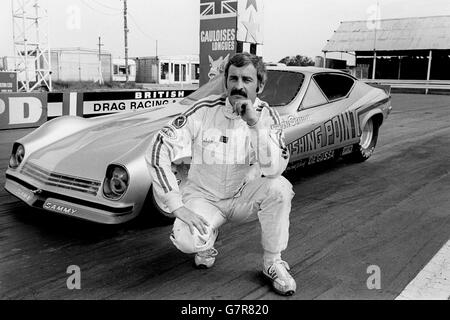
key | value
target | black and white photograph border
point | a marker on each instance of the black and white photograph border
(361, 91)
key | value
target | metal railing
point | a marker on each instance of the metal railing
(413, 84)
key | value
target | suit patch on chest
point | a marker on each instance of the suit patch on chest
(179, 122)
(208, 140)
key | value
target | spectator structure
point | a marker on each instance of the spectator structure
(408, 48)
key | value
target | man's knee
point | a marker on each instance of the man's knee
(187, 242)
(201, 207)
(279, 189)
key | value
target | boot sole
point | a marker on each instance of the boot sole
(269, 279)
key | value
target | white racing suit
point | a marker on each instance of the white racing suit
(235, 172)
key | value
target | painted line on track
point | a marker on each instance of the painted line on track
(433, 281)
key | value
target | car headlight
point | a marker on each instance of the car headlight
(17, 155)
(116, 182)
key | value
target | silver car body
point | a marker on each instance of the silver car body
(66, 159)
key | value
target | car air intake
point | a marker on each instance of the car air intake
(60, 181)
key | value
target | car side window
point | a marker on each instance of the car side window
(281, 87)
(313, 97)
(334, 86)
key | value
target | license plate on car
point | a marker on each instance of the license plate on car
(24, 194)
(59, 207)
(347, 150)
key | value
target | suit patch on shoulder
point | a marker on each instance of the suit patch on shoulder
(276, 127)
(179, 122)
(169, 132)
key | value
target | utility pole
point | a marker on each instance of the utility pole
(158, 71)
(100, 45)
(125, 28)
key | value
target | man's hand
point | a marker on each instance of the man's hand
(192, 220)
(244, 108)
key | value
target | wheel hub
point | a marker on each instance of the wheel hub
(367, 134)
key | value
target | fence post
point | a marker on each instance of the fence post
(429, 70)
(374, 64)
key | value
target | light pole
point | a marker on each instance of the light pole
(125, 29)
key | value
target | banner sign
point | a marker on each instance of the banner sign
(218, 27)
(22, 110)
(30, 110)
(100, 103)
(8, 81)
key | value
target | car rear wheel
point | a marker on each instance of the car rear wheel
(366, 146)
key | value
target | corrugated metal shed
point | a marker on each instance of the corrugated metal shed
(80, 64)
(421, 33)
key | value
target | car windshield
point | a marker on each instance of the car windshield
(281, 88)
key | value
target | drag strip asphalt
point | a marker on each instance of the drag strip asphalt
(358, 230)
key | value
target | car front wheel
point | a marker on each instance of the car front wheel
(152, 213)
(366, 146)
(154, 209)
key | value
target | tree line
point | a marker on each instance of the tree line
(297, 60)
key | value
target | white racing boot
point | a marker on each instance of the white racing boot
(282, 281)
(205, 259)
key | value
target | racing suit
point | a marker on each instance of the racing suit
(235, 170)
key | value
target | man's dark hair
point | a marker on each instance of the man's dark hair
(243, 59)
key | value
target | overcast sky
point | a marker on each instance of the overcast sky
(290, 27)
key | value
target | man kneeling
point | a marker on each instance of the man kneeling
(238, 155)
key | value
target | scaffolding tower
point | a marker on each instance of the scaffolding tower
(31, 45)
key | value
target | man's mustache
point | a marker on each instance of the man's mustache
(239, 92)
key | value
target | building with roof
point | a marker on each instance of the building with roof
(80, 64)
(173, 69)
(68, 64)
(408, 48)
(120, 70)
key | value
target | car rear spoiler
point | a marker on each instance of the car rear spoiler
(386, 88)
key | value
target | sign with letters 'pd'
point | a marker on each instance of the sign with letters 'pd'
(22, 110)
